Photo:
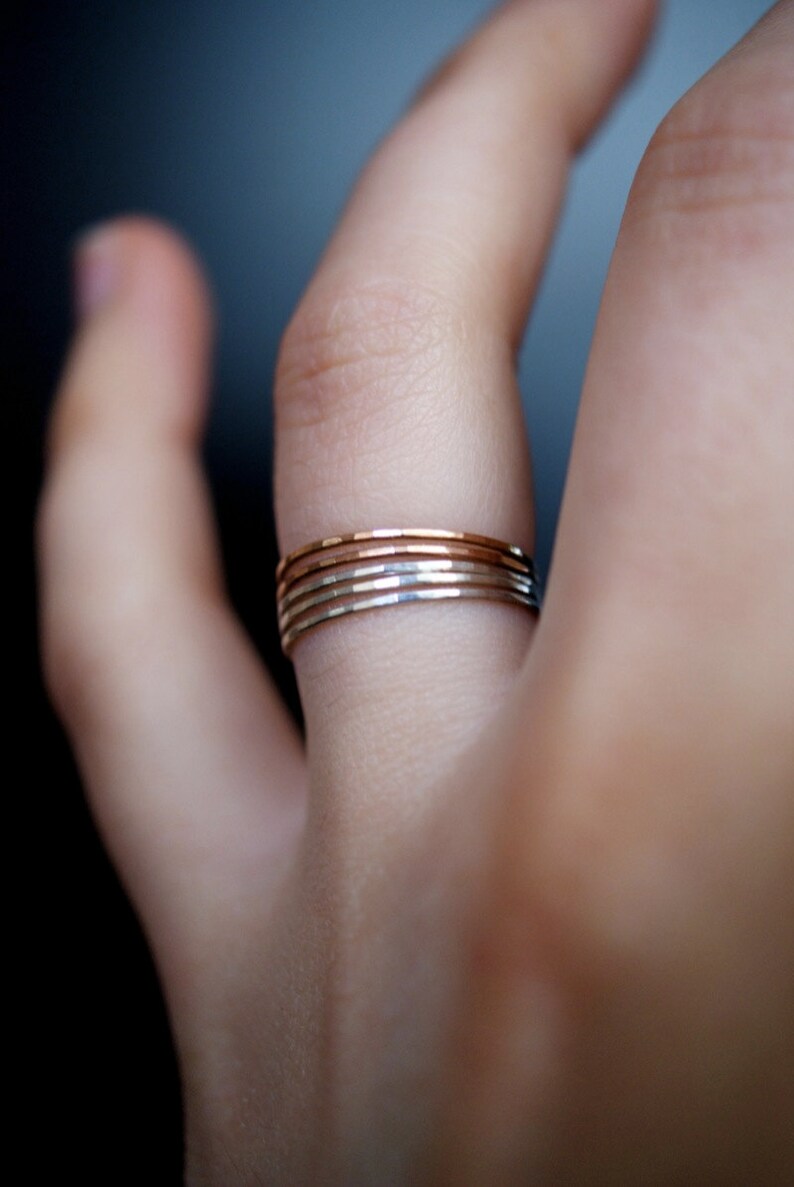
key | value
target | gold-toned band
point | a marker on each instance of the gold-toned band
(386, 567)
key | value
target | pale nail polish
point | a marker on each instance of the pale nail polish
(96, 269)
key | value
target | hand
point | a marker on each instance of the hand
(521, 909)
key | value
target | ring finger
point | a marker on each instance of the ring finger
(396, 398)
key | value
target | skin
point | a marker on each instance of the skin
(520, 909)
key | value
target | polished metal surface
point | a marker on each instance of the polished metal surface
(368, 570)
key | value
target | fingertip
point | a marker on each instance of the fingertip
(164, 246)
(626, 28)
(107, 254)
(595, 44)
(140, 354)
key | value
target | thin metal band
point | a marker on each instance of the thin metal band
(290, 636)
(302, 566)
(404, 583)
(410, 571)
(367, 570)
(398, 534)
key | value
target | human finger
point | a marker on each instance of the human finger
(192, 764)
(653, 837)
(396, 399)
(675, 544)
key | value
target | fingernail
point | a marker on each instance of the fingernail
(96, 269)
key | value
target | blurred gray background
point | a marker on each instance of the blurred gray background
(245, 123)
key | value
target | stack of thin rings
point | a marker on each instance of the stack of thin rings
(386, 567)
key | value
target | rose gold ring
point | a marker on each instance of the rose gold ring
(389, 566)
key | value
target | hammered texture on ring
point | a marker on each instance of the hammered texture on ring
(386, 567)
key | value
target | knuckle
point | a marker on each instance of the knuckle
(723, 158)
(349, 350)
(100, 664)
(74, 674)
